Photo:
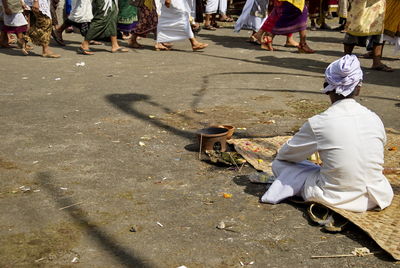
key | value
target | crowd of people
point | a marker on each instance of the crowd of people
(364, 23)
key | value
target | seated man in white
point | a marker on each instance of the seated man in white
(350, 141)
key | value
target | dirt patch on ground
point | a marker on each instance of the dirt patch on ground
(53, 244)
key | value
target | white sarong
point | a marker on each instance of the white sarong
(173, 23)
(248, 21)
(213, 6)
(15, 20)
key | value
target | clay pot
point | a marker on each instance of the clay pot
(213, 138)
(230, 128)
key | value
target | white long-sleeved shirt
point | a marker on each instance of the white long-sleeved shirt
(350, 141)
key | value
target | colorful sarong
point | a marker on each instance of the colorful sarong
(127, 16)
(366, 17)
(148, 19)
(40, 29)
(104, 22)
(285, 18)
(392, 18)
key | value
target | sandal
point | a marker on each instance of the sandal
(367, 55)
(266, 42)
(336, 223)
(22, 46)
(199, 46)
(84, 51)
(227, 19)
(135, 45)
(215, 25)
(167, 44)
(95, 43)
(120, 50)
(382, 67)
(318, 213)
(161, 47)
(57, 37)
(209, 28)
(304, 48)
(290, 45)
(254, 40)
(195, 28)
(51, 56)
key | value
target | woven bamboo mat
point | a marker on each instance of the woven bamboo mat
(382, 226)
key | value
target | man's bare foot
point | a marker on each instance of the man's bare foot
(161, 47)
(199, 46)
(134, 44)
(266, 43)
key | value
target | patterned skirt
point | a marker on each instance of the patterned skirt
(40, 28)
(285, 19)
(148, 20)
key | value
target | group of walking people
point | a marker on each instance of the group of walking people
(366, 23)
(100, 20)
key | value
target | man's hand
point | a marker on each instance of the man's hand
(168, 3)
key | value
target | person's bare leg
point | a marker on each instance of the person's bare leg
(133, 43)
(22, 43)
(266, 41)
(207, 20)
(348, 49)
(258, 35)
(290, 41)
(303, 47)
(115, 47)
(376, 59)
(4, 41)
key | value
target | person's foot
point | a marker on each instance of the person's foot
(22, 46)
(382, 67)
(199, 46)
(367, 55)
(126, 36)
(161, 47)
(225, 18)
(209, 28)
(304, 48)
(84, 51)
(51, 55)
(119, 50)
(253, 40)
(57, 36)
(95, 43)
(266, 43)
(134, 44)
(195, 28)
(291, 43)
(167, 44)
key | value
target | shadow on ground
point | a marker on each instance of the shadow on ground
(120, 254)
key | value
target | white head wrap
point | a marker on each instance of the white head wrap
(343, 75)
